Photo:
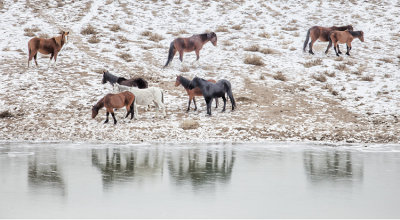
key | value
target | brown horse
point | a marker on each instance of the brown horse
(46, 46)
(111, 101)
(189, 44)
(180, 80)
(322, 34)
(344, 37)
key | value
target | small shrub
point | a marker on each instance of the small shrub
(254, 60)
(341, 67)
(279, 76)
(268, 51)
(387, 75)
(252, 48)
(290, 28)
(43, 35)
(156, 37)
(125, 56)
(367, 78)
(386, 60)
(89, 30)
(185, 69)
(146, 33)
(264, 35)
(222, 29)
(339, 59)
(189, 124)
(115, 28)
(94, 39)
(319, 77)
(237, 27)
(330, 74)
(312, 63)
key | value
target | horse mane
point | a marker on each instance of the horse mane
(120, 79)
(184, 81)
(58, 40)
(355, 33)
(204, 37)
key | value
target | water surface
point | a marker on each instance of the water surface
(45, 180)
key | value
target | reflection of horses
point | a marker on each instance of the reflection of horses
(46, 46)
(343, 37)
(145, 97)
(111, 101)
(180, 80)
(213, 90)
(135, 82)
(322, 34)
(189, 44)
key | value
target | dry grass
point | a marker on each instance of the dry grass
(386, 60)
(237, 27)
(254, 60)
(264, 35)
(330, 74)
(279, 76)
(221, 29)
(89, 30)
(146, 33)
(269, 51)
(184, 69)
(93, 39)
(339, 59)
(367, 78)
(341, 67)
(30, 32)
(156, 37)
(290, 28)
(312, 63)
(115, 28)
(330, 89)
(43, 35)
(319, 77)
(125, 56)
(252, 48)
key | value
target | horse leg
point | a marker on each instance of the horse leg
(334, 47)
(132, 112)
(224, 99)
(115, 120)
(348, 48)
(35, 57)
(51, 57)
(310, 46)
(181, 55)
(197, 55)
(190, 100)
(107, 117)
(128, 110)
(208, 102)
(340, 52)
(329, 46)
(55, 57)
(194, 101)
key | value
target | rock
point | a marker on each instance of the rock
(189, 124)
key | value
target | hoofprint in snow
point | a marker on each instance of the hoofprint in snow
(291, 95)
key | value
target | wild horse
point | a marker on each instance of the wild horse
(343, 37)
(111, 101)
(134, 82)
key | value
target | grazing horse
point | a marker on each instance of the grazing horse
(145, 97)
(322, 34)
(213, 90)
(135, 82)
(46, 46)
(189, 44)
(111, 101)
(344, 37)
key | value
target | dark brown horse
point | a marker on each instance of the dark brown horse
(111, 101)
(322, 34)
(180, 80)
(344, 37)
(189, 44)
(135, 82)
(46, 46)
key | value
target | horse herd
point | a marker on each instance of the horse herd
(133, 92)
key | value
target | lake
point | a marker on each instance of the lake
(272, 180)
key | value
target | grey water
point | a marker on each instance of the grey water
(61, 180)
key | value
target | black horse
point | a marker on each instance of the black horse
(135, 82)
(213, 90)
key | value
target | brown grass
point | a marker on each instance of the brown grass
(189, 124)
(264, 35)
(312, 63)
(279, 76)
(319, 77)
(367, 78)
(330, 74)
(269, 51)
(221, 29)
(125, 56)
(341, 67)
(184, 69)
(89, 30)
(93, 39)
(254, 60)
(237, 27)
(252, 48)
(115, 28)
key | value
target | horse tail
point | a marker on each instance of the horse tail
(307, 39)
(170, 53)
(142, 84)
(228, 89)
(162, 97)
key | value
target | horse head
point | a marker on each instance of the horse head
(95, 111)
(361, 36)
(177, 82)
(213, 38)
(64, 36)
(104, 80)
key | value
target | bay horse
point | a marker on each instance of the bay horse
(322, 34)
(46, 46)
(214, 90)
(180, 80)
(189, 44)
(134, 82)
(111, 101)
(344, 37)
(145, 97)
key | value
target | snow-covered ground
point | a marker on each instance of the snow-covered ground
(357, 100)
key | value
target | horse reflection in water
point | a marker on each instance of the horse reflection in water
(45, 174)
(116, 166)
(332, 166)
(201, 168)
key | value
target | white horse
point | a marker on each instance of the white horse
(145, 97)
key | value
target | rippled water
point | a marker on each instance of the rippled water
(198, 181)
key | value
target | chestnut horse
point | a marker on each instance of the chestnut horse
(344, 37)
(322, 34)
(189, 44)
(46, 46)
(180, 80)
(111, 101)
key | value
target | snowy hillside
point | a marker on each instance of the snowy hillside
(289, 95)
